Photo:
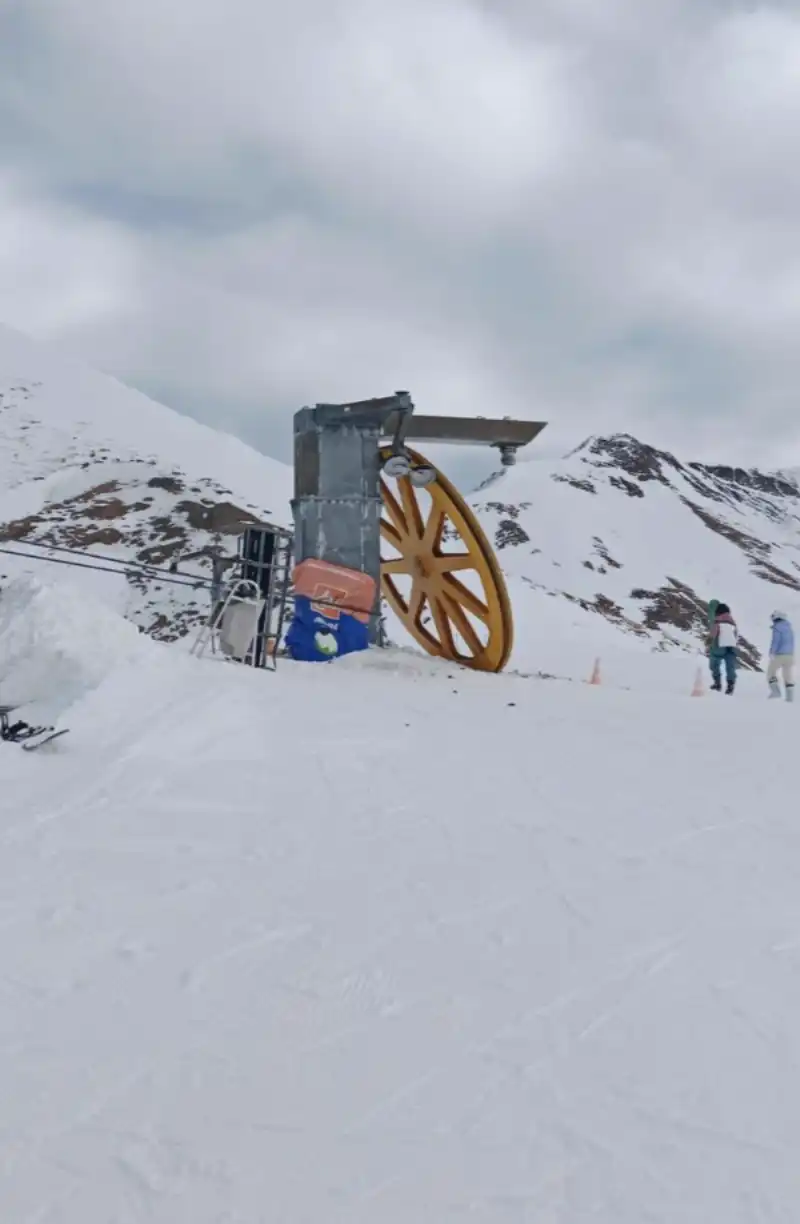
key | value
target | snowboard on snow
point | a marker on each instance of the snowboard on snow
(30, 738)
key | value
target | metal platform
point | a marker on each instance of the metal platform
(464, 431)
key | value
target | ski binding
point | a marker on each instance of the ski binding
(30, 738)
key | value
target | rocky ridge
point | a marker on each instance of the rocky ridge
(618, 500)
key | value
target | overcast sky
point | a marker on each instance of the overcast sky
(581, 211)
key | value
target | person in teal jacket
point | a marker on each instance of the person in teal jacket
(722, 650)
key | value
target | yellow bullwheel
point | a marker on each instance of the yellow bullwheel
(439, 574)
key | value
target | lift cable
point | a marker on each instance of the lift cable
(96, 556)
(125, 569)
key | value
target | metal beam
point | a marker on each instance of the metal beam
(465, 431)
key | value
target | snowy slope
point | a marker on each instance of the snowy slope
(623, 544)
(377, 941)
(89, 463)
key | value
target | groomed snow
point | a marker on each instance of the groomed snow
(382, 942)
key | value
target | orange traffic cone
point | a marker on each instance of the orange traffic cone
(698, 688)
(595, 672)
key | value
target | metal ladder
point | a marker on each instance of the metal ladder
(238, 591)
(269, 605)
(277, 596)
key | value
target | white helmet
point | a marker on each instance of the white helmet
(779, 616)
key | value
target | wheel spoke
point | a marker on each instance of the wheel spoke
(416, 602)
(395, 513)
(464, 626)
(446, 563)
(396, 565)
(391, 534)
(464, 596)
(413, 514)
(442, 622)
(432, 535)
(390, 592)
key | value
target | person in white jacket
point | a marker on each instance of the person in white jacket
(781, 656)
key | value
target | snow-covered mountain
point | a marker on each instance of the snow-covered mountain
(88, 463)
(623, 539)
(618, 545)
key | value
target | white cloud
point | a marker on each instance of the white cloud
(59, 269)
(432, 107)
(564, 209)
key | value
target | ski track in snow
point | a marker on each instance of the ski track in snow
(340, 945)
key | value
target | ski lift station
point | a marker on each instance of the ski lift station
(373, 520)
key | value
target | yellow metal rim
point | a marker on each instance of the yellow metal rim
(437, 595)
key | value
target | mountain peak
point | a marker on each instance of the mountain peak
(631, 533)
(87, 463)
(626, 453)
(645, 462)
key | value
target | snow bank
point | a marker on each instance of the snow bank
(56, 643)
(562, 652)
(397, 660)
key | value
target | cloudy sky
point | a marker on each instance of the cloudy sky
(582, 211)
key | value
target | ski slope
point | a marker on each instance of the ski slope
(382, 941)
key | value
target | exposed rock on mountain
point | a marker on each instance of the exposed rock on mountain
(632, 534)
(90, 465)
